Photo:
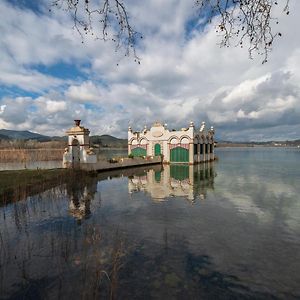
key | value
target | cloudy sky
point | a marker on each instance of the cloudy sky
(48, 76)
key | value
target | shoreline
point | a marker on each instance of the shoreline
(27, 156)
(253, 146)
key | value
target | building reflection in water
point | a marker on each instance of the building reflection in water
(189, 181)
(81, 193)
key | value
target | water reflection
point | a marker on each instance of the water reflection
(89, 238)
(81, 193)
(31, 165)
(188, 181)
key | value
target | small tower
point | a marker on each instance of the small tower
(78, 150)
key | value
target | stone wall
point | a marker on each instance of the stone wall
(119, 164)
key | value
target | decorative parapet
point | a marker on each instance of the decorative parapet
(77, 129)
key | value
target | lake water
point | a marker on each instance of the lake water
(52, 164)
(104, 154)
(225, 230)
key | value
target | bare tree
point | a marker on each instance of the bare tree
(249, 22)
(108, 20)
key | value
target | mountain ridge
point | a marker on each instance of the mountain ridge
(104, 140)
(22, 135)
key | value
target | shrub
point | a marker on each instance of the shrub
(113, 160)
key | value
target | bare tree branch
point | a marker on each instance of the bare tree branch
(249, 22)
(109, 18)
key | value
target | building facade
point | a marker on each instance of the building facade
(78, 150)
(187, 145)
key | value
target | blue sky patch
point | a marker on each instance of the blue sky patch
(64, 71)
(14, 92)
(34, 5)
(94, 107)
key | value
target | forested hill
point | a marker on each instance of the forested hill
(22, 135)
(101, 140)
(109, 141)
(106, 140)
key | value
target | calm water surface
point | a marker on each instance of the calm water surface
(226, 230)
(52, 164)
(103, 154)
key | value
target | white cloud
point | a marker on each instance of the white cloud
(85, 92)
(55, 106)
(2, 108)
(180, 78)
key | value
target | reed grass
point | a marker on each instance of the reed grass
(31, 144)
(30, 155)
(17, 185)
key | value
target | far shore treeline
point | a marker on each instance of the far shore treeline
(13, 139)
(25, 146)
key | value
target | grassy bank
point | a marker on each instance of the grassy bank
(17, 185)
(30, 155)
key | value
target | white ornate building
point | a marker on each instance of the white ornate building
(187, 145)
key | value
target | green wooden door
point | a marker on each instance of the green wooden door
(179, 154)
(139, 151)
(157, 149)
(179, 172)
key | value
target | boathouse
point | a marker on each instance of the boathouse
(187, 145)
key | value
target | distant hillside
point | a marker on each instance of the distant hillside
(108, 141)
(293, 143)
(22, 135)
(101, 140)
(59, 138)
(4, 137)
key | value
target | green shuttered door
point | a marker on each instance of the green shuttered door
(157, 150)
(179, 154)
(179, 172)
(139, 151)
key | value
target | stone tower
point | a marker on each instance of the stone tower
(78, 150)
